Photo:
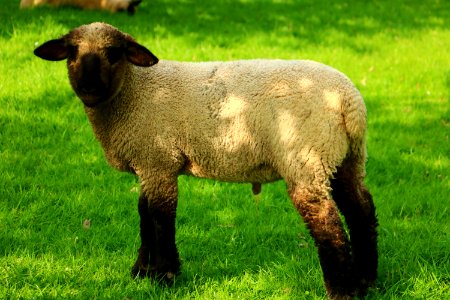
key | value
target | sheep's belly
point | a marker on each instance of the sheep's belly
(232, 173)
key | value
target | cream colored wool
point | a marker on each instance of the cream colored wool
(242, 121)
(111, 5)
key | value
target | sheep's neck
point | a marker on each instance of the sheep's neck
(111, 126)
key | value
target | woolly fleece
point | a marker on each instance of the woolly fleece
(241, 121)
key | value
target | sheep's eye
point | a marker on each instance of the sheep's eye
(72, 51)
(114, 54)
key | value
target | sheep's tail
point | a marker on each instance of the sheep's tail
(355, 118)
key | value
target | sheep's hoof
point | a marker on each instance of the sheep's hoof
(139, 271)
(341, 293)
(340, 297)
(165, 277)
(364, 286)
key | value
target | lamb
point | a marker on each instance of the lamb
(111, 5)
(254, 121)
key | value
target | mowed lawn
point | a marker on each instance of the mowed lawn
(69, 222)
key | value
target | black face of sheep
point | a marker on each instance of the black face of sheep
(133, 111)
(95, 64)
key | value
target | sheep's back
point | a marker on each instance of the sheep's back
(253, 120)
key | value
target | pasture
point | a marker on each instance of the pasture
(69, 222)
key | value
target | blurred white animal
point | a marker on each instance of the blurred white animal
(110, 5)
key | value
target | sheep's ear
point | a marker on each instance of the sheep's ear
(53, 50)
(139, 55)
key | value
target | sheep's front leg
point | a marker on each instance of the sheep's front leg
(158, 256)
(322, 219)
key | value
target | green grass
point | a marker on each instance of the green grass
(54, 176)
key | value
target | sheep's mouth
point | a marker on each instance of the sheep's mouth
(91, 93)
(92, 99)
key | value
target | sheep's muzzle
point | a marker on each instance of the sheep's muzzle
(89, 85)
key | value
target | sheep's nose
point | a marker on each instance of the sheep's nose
(87, 88)
(90, 81)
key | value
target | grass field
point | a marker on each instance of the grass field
(54, 176)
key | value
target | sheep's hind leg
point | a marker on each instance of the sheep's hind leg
(356, 204)
(158, 256)
(322, 219)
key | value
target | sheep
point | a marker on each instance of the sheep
(111, 5)
(246, 121)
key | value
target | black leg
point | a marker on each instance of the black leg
(322, 219)
(158, 256)
(142, 265)
(356, 204)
